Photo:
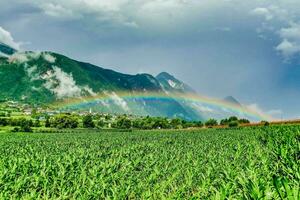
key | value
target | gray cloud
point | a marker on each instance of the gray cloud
(219, 47)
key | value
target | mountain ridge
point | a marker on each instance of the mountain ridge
(49, 77)
(170, 83)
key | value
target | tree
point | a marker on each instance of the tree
(25, 125)
(265, 123)
(34, 113)
(24, 122)
(64, 121)
(198, 124)
(244, 121)
(233, 118)
(101, 123)
(224, 122)
(138, 123)
(124, 123)
(108, 117)
(233, 124)
(47, 122)
(88, 121)
(176, 123)
(4, 122)
(159, 123)
(37, 123)
(211, 122)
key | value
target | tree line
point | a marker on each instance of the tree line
(72, 121)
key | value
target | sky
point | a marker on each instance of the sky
(249, 49)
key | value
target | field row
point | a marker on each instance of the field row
(244, 163)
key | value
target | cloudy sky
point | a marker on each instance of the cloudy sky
(249, 49)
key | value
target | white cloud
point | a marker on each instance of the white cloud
(270, 114)
(6, 38)
(18, 58)
(23, 57)
(58, 11)
(118, 100)
(288, 49)
(89, 90)
(48, 57)
(290, 44)
(275, 112)
(103, 103)
(32, 72)
(61, 84)
(257, 109)
(98, 10)
(287, 29)
(265, 12)
(202, 108)
(127, 13)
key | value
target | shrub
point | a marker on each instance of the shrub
(233, 124)
(211, 122)
(233, 118)
(47, 122)
(224, 122)
(64, 121)
(101, 123)
(124, 123)
(244, 121)
(88, 121)
(25, 128)
(3, 122)
(265, 123)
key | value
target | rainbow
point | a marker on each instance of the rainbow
(159, 96)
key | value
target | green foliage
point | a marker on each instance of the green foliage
(265, 123)
(244, 121)
(4, 121)
(123, 123)
(224, 122)
(176, 123)
(88, 122)
(101, 123)
(23, 124)
(37, 123)
(47, 122)
(233, 121)
(233, 124)
(246, 163)
(233, 118)
(211, 122)
(64, 121)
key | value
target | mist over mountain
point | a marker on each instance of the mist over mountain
(232, 100)
(47, 77)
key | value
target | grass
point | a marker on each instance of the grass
(245, 163)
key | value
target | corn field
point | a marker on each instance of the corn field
(242, 163)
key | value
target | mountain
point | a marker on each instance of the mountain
(6, 50)
(170, 84)
(232, 100)
(47, 78)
